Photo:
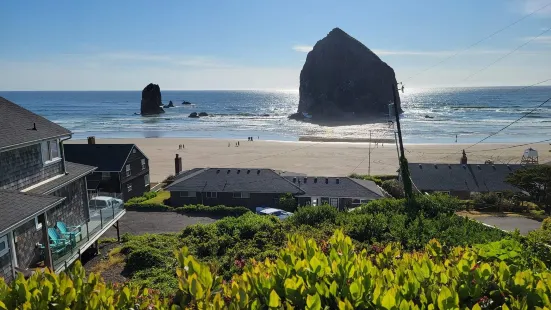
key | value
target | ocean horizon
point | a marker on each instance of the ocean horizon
(431, 115)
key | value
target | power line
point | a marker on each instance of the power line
(478, 42)
(510, 146)
(508, 54)
(509, 125)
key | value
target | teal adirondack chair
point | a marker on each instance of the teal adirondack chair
(72, 232)
(57, 244)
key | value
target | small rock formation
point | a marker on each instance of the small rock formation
(193, 115)
(203, 114)
(151, 100)
(169, 105)
(186, 102)
(343, 78)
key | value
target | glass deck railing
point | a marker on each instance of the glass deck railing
(64, 255)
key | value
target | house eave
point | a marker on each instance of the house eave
(20, 145)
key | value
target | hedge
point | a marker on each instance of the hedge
(189, 209)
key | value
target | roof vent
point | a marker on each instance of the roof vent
(229, 171)
(238, 171)
(258, 172)
(420, 166)
(338, 181)
(435, 166)
(493, 166)
(326, 181)
(449, 166)
(218, 171)
(305, 179)
(509, 167)
(464, 167)
(315, 180)
(294, 180)
(248, 171)
(478, 166)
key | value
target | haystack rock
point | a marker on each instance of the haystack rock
(342, 78)
(151, 100)
(169, 105)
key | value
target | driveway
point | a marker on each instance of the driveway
(138, 223)
(510, 223)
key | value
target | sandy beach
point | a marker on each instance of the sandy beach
(312, 158)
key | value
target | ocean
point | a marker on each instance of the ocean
(430, 115)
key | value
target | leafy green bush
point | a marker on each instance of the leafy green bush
(394, 188)
(287, 202)
(149, 195)
(143, 259)
(378, 179)
(315, 215)
(147, 207)
(214, 210)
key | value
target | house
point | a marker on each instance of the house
(462, 180)
(252, 188)
(340, 192)
(123, 169)
(38, 190)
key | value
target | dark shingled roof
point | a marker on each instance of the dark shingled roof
(74, 171)
(458, 177)
(346, 188)
(107, 157)
(17, 208)
(16, 125)
(232, 180)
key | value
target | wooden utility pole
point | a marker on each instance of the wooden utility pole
(369, 155)
(404, 170)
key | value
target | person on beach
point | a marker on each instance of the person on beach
(179, 146)
(455, 138)
(228, 144)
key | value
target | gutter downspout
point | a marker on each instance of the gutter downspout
(63, 154)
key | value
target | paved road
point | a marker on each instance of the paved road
(138, 223)
(510, 223)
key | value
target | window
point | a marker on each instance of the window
(105, 175)
(37, 224)
(146, 179)
(334, 202)
(4, 249)
(212, 194)
(50, 151)
(129, 187)
(128, 171)
(359, 201)
(187, 194)
(143, 164)
(241, 195)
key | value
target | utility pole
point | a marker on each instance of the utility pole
(369, 155)
(404, 170)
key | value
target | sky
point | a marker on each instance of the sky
(252, 44)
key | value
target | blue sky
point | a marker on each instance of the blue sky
(242, 44)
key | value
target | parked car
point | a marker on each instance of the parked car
(101, 202)
(281, 214)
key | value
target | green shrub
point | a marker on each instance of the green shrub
(149, 195)
(378, 179)
(147, 207)
(142, 259)
(214, 210)
(315, 215)
(287, 202)
(394, 188)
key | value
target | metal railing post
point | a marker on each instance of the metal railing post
(100, 219)
(113, 207)
(87, 232)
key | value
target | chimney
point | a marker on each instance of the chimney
(177, 164)
(338, 181)
(92, 140)
(464, 158)
(326, 181)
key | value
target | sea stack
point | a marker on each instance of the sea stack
(343, 78)
(151, 100)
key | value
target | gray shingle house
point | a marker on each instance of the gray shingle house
(38, 191)
(252, 188)
(462, 180)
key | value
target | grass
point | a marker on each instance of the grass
(114, 257)
(160, 198)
